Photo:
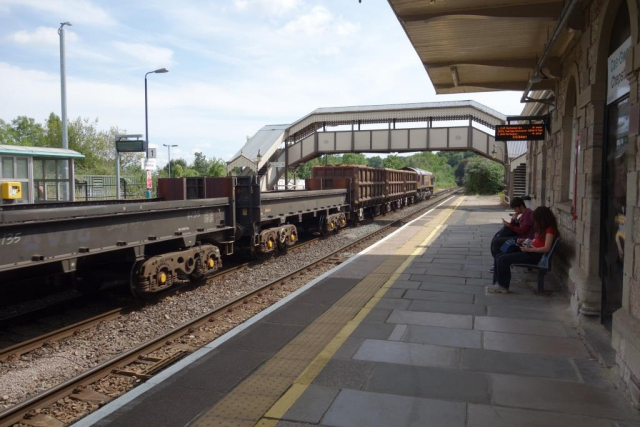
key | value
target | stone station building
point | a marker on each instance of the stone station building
(578, 61)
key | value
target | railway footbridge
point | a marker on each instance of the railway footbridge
(434, 126)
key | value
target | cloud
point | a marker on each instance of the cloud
(272, 7)
(311, 24)
(80, 12)
(42, 36)
(146, 54)
(345, 28)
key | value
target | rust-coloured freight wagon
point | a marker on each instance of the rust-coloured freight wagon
(371, 190)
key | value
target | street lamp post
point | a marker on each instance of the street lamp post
(494, 152)
(63, 85)
(169, 153)
(146, 118)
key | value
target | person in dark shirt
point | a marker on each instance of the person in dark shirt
(520, 226)
(546, 232)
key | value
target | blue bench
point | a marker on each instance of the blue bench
(543, 267)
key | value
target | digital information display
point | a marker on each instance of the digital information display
(520, 132)
(128, 146)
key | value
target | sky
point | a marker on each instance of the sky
(234, 65)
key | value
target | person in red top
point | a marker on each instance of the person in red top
(546, 232)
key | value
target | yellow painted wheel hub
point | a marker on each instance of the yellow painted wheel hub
(293, 237)
(162, 277)
(211, 263)
(270, 244)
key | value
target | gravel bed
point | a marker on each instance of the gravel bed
(34, 372)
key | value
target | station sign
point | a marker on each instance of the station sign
(149, 180)
(148, 164)
(532, 132)
(276, 164)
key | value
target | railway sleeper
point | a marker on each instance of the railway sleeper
(160, 272)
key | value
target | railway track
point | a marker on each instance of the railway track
(94, 387)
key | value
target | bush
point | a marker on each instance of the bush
(483, 176)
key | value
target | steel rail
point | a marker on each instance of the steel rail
(17, 412)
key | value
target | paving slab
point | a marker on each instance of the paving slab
(520, 326)
(533, 344)
(494, 416)
(464, 338)
(357, 409)
(344, 373)
(393, 303)
(373, 330)
(432, 383)
(534, 365)
(311, 406)
(348, 348)
(432, 278)
(407, 353)
(447, 307)
(523, 312)
(405, 284)
(378, 315)
(444, 320)
(438, 296)
(559, 396)
(398, 332)
(447, 287)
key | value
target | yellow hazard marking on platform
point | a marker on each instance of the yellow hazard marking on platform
(280, 408)
(264, 397)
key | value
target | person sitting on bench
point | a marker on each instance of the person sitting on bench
(545, 227)
(521, 225)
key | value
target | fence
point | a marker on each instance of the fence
(103, 187)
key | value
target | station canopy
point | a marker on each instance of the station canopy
(484, 45)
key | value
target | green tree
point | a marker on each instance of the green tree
(483, 176)
(53, 132)
(6, 137)
(394, 162)
(200, 164)
(26, 131)
(353, 159)
(374, 162)
(217, 167)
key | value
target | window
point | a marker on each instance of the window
(50, 180)
(16, 169)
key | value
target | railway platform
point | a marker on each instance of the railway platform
(403, 334)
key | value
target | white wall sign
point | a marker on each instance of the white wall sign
(617, 83)
(276, 164)
(148, 164)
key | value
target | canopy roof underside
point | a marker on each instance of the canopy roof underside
(483, 45)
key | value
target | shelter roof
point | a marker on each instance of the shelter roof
(21, 150)
(483, 45)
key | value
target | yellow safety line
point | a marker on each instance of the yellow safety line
(280, 408)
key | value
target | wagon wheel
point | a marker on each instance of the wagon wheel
(134, 283)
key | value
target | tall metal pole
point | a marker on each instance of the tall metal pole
(146, 117)
(147, 194)
(63, 85)
(169, 154)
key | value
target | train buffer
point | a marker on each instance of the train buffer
(402, 334)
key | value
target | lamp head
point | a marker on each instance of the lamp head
(161, 70)
(62, 24)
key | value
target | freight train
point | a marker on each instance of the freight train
(185, 232)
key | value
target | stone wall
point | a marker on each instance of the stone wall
(584, 66)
